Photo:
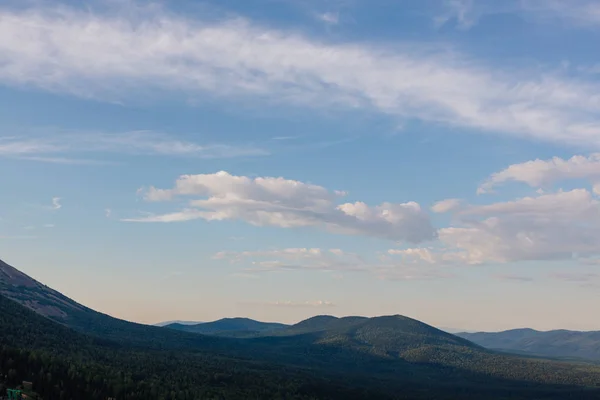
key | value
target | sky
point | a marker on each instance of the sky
(279, 159)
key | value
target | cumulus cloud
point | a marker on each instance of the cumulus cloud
(559, 225)
(541, 173)
(269, 201)
(113, 54)
(54, 147)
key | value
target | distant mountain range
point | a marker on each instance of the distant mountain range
(228, 327)
(555, 343)
(165, 323)
(94, 356)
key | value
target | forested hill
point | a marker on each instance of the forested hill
(89, 355)
(67, 365)
(228, 326)
(555, 343)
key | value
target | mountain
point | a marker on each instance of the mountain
(49, 303)
(165, 323)
(64, 347)
(454, 330)
(68, 365)
(228, 327)
(16, 285)
(555, 343)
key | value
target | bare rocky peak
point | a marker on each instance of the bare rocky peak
(25, 290)
(12, 276)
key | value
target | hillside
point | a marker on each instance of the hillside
(384, 336)
(322, 358)
(48, 302)
(67, 365)
(556, 343)
(228, 327)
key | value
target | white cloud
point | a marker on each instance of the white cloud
(52, 146)
(541, 173)
(560, 225)
(447, 205)
(269, 201)
(414, 254)
(56, 203)
(113, 54)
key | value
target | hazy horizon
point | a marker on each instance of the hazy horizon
(283, 159)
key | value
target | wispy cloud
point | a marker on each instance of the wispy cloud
(56, 203)
(329, 18)
(572, 13)
(116, 54)
(333, 261)
(55, 147)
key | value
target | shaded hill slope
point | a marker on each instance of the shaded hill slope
(384, 336)
(68, 365)
(556, 343)
(228, 326)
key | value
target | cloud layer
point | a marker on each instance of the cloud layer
(332, 260)
(63, 147)
(269, 201)
(109, 54)
(552, 226)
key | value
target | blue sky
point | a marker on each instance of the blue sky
(279, 159)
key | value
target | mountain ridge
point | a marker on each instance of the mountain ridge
(228, 326)
(562, 343)
(388, 353)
